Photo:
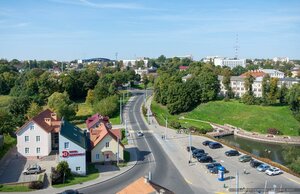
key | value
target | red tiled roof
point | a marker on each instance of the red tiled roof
(97, 134)
(52, 125)
(91, 121)
(183, 67)
(254, 73)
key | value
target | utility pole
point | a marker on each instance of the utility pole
(237, 182)
(166, 128)
(120, 110)
(190, 145)
(118, 153)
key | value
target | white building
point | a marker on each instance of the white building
(39, 136)
(273, 73)
(209, 59)
(141, 72)
(133, 62)
(72, 147)
(231, 63)
(281, 59)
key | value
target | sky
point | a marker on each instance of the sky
(79, 29)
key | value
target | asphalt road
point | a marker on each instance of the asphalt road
(151, 157)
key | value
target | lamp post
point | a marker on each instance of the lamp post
(118, 139)
(166, 119)
(120, 110)
(190, 145)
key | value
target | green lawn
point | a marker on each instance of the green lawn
(8, 143)
(161, 112)
(14, 188)
(92, 173)
(4, 100)
(249, 117)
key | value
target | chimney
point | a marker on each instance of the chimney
(48, 121)
(54, 116)
(146, 179)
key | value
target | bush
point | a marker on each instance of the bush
(63, 168)
(35, 185)
(56, 177)
(144, 110)
(175, 124)
(274, 131)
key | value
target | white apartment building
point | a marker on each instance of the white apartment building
(231, 63)
(281, 59)
(273, 73)
(132, 62)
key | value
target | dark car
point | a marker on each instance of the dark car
(215, 170)
(245, 158)
(188, 148)
(255, 163)
(206, 143)
(232, 153)
(211, 165)
(205, 159)
(198, 151)
(199, 155)
(215, 145)
(70, 191)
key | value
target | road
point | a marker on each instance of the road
(151, 157)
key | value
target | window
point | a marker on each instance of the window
(66, 145)
(32, 127)
(107, 144)
(26, 150)
(38, 150)
(38, 138)
(77, 168)
(97, 156)
(26, 138)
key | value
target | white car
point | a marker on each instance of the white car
(140, 134)
(273, 171)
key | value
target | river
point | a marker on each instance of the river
(262, 149)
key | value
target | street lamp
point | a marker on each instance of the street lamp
(166, 119)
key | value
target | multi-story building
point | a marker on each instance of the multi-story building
(39, 136)
(72, 147)
(281, 59)
(231, 63)
(273, 73)
(133, 62)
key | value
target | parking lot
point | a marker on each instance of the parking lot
(14, 168)
(197, 175)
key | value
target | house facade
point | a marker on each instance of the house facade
(104, 141)
(72, 147)
(39, 136)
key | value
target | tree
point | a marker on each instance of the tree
(293, 98)
(226, 82)
(145, 81)
(108, 106)
(248, 97)
(7, 122)
(33, 110)
(18, 108)
(266, 88)
(63, 168)
(238, 70)
(90, 98)
(283, 93)
(273, 94)
(62, 105)
(47, 84)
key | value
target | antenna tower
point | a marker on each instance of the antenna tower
(236, 48)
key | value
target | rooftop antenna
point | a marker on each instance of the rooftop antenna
(236, 48)
(116, 56)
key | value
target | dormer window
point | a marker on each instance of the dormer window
(32, 127)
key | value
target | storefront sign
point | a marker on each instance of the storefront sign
(72, 153)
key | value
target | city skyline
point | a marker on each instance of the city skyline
(67, 30)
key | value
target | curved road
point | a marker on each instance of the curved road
(151, 157)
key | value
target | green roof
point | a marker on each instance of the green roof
(73, 133)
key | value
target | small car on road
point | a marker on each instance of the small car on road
(263, 167)
(70, 191)
(140, 134)
(199, 155)
(273, 171)
(32, 169)
(245, 158)
(215, 170)
(188, 148)
(232, 153)
(206, 143)
(205, 159)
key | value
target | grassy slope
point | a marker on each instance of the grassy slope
(251, 118)
(8, 143)
(14, 188)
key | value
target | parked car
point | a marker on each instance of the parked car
(198, 151)
(199, 155)
(255, 163)
(32, 169)
(211, 165)
(232, 153)
(188, 148)
(205, 159)
(215, 145)
(140, 134)
(245, 158)
(263, 167)
(70, 191)
(215, 170)
(206, 143)
(273, 171)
